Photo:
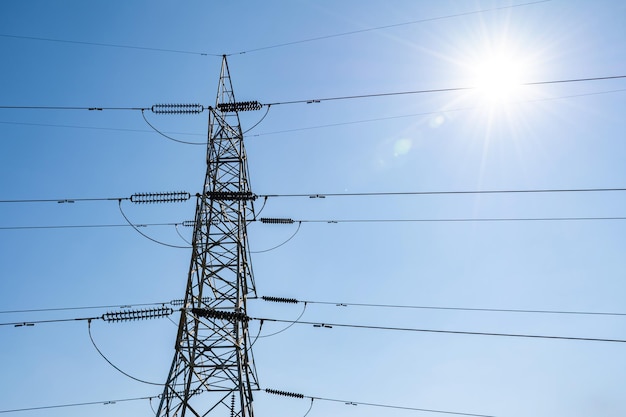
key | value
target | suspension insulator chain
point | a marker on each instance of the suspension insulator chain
(239, 106)
(219, 314)
(284, 393)
(177, 108)
(276, 220)
(168, 197)
(152, 313)
(280, 299)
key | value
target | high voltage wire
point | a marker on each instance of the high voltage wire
(354, 403)
(343, 325)
(73, 108)
(38, 310)
(331, 221)
(116, 316)
(311, 127)
(440, 90)
(98, 128)
(353, 32)
(333, 303)
(353, 194)
(106, 402)
(462, 220)
(429, 307)
(87, 226)
(452, 192)
(319, 100)
(429, 113)
(141, 198)
(270, 391)
(278, 45)
(109, 45)
(455, 332)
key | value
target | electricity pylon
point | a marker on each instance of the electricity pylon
(213, 370)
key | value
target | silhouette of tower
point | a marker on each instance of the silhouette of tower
(213, 371)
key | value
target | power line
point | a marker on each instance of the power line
(464, 220)
(96, 128)
(109, 45)
(331, 221)
(319, 100)
(112, 317)
(106, 402)
(457, 332)
(429, 113)
(353, 32)
(452, 192)
(355, 194)
(33, 322)
(440, 90)
(279, 45)
(396, 407)
(354, 403)
(176, 302)
(116, 316)
(86, 226)
(39, 310)
(73, 108)
(334, 303)
(425, 307)
(307, 127)
(64, 200)
(140, 198)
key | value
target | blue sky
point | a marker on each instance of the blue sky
(560, 136)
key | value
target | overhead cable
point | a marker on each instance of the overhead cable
(464, 220)
(354, 403)
(328, 221)
(287, 300)
(451, 192)
(301, 128)
(113, 365)
(109, 45)
(429, 307)
(111, 317)
(72, 108)
(278, 45)
(440, 90)
(140, 198)
(176, 302)
(429, 113)
(105, 402)
(314, 100)
(456, 332)
(354, 32)
(136, 228)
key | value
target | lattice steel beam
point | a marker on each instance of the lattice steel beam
(212, 371)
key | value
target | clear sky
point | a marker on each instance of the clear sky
(499, 136)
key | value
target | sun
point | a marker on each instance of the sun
(498, 77)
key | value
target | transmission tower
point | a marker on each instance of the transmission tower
(213, 370)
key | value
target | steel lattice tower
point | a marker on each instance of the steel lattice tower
(213, 371)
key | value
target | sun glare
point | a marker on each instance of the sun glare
(498, 78)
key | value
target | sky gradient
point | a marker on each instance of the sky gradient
(127, 55)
